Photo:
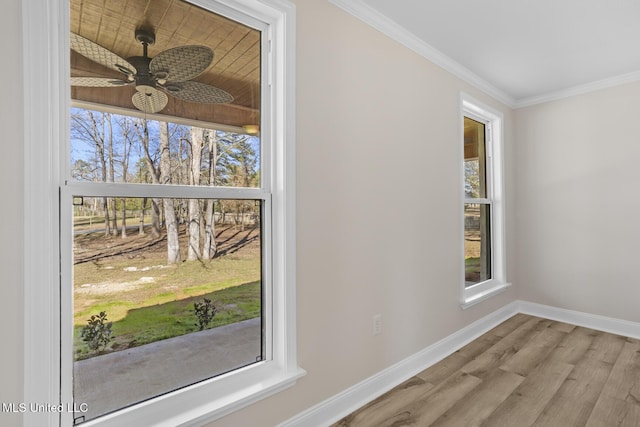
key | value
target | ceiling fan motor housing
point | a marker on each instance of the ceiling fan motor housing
(145, 81)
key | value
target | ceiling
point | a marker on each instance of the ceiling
(235, 67)
(525, 49)
(517, 51)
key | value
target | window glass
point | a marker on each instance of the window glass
(477, 209)
(477, 243)
(108, 147)
(475, 175)
(145, 322)
(169, 215)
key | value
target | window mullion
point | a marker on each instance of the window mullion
(172, 191)
(478, 201)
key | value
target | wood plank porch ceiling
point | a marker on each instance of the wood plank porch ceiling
(235, 67)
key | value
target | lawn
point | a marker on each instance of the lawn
(148, 300)
(145, 323)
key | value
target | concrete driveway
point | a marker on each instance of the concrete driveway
(112, 381)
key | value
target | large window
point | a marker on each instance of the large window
(483, 213)
(169, 293)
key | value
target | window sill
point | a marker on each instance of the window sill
(206, 401)
(481, 292)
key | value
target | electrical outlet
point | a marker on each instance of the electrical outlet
(377, 324)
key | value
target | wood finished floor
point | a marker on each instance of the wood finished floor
(527, 371)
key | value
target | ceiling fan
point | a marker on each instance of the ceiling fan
(169, 73)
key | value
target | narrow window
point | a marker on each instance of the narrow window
(484, 264)
(477, 206)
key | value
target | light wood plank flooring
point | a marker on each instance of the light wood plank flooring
(527, 371)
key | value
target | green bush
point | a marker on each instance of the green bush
(97, 332)
(204, 311)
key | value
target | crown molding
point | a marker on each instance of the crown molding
(370, 16)
(390, 28)
(579, 90)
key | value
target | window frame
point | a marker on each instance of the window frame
(46, 88)
(493, 121)
(488, 185)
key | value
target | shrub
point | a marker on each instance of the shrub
(97, 332)
(204, 312)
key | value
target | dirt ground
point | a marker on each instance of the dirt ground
(94, 246)
(118, 275)
(135, 269)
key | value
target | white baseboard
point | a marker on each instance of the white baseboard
(342, 404)
(592, 321)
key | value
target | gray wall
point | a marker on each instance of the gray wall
(578, 206)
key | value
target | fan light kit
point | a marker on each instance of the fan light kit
(168, 73)
(251, 129)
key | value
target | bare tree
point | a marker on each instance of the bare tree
(126, 154)
(197, 143)
(209, 248)
(173, 244)
(167, 154)
(106, 118)
(143, 207)
(238, 169)
(87, 127)
(142, 130)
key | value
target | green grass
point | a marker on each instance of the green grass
(175, 282)
(148, 300)
(139, 325)
(472, 265)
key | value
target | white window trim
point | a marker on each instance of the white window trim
(45, 37)
(493, 119)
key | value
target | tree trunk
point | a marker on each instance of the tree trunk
(197, 142)
(123, 234)
(126, 151)
(114, 217)
(155, 175)
(112, 172)
(173, 244)
(194, 252)
(142, 209)
(209, 249)
(107, 222)
(155, 217)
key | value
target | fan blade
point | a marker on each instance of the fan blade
(198, 92)
(97, 82)
(101, 55)
(182, 63)
(150, 102)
